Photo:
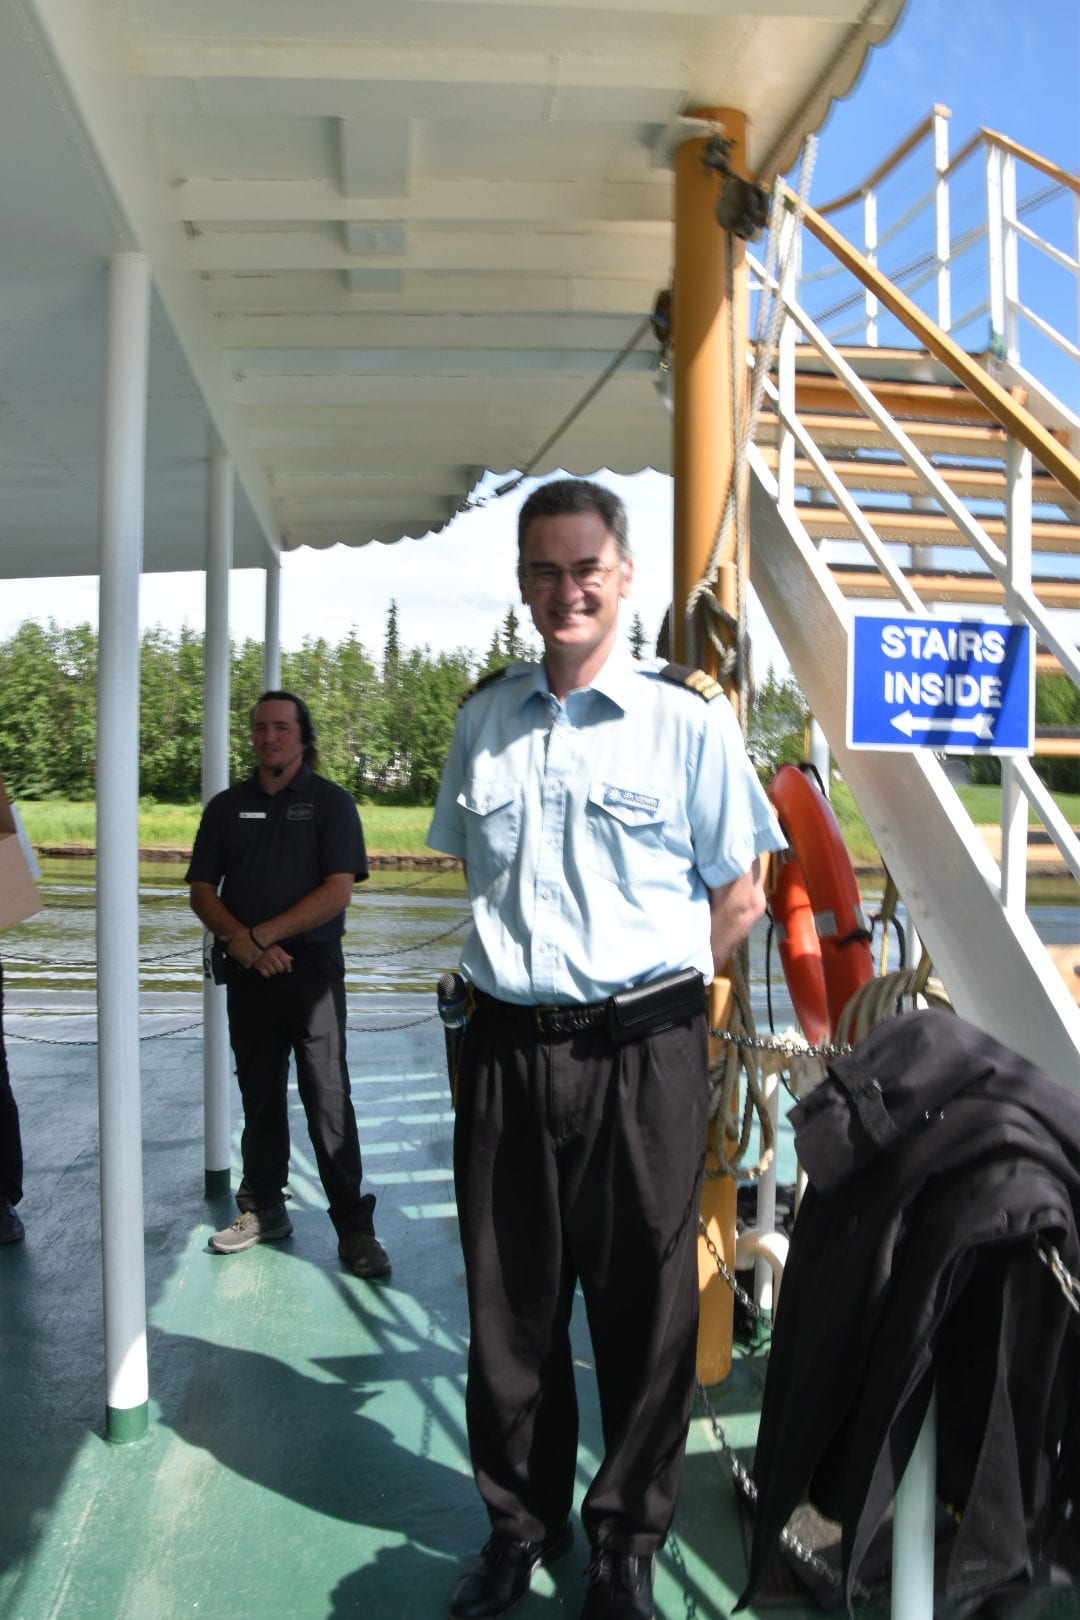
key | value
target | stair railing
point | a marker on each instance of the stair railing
(930, 240)
(1027, 439)
(906, 223)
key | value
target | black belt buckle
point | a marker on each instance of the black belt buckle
(647, 1008)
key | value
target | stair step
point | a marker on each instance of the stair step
(831, 430)
(897, 524)
(880, 476)
(949, 585)
(927, 401)
(886, 365)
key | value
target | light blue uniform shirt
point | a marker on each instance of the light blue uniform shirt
(594, 829)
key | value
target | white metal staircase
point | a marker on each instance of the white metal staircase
(925, 474)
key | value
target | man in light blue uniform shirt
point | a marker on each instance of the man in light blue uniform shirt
(610, 823)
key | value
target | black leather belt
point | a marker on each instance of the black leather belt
(548, 1020)
(640, 1010)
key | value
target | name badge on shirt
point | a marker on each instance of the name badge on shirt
(627, 799)
(253, 815)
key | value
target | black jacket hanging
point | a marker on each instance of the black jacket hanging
(939, 1162)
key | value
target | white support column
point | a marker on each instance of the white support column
(785, 371)
(819, 755)
(817, 744)
(870, 238)
(765, 1214)
(272, 629)
(942, 236)
(217, 1082)
(995, 248)
(1018, 551)
(1012, 258)
(123, 476)
(913, 1528)
(1076, 256)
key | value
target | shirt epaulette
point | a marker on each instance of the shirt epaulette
(486, 680)
(695, 680)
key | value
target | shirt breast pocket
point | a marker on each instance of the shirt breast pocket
(492, 823)
(627, 830)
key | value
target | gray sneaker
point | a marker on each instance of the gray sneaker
(250, 1227)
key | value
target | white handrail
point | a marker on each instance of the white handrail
(1003, 227)
(994, 558)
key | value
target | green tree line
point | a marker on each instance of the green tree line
(383, 729)
(384, 725)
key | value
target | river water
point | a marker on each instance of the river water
(404, 929)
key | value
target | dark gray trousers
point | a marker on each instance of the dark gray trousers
(11, 1159)
(575, 1160)
(302, 1014)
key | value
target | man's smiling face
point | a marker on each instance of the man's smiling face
(572, 580)
(276, 737)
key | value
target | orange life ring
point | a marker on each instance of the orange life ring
(800, 950)
(812, 830)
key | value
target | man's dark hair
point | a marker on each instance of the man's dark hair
(565, 497)
(308, 733)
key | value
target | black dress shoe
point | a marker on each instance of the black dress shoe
(12, 1229)
(620, 1587)
(498, 1579)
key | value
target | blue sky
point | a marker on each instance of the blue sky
(1013, 65)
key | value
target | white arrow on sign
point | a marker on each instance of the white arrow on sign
(981, 724)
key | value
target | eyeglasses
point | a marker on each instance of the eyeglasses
(587, 575)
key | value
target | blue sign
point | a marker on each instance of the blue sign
(940, 683)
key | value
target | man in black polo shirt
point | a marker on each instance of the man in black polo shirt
(271, 873)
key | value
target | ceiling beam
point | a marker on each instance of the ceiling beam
(373, 158)
(455, 392)
(289, 293)
(448, 331)
(481, 201)
(636, 251)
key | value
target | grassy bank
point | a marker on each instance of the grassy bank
(982, 803)
(52, 824)
(400, 829)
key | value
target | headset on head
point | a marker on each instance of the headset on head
(308, 734)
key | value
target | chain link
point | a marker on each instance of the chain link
(189, 957)
(52, 1040)
(1069, 1285)
(744, 1299)
(387, 1029)
(745, 1486)
(184, 1029)
(421, 944)
(770, 1043)
(187, 954)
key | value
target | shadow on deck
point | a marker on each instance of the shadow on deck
(307, 1456)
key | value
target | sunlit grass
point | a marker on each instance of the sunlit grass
(401, 829)
(54, 823)
(982, 803)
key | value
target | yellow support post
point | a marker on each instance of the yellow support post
(709, 350)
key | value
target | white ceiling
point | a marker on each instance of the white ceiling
(393, 242)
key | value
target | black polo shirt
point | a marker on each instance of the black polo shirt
(269, 850)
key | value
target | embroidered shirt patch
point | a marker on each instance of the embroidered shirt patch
(300, 812)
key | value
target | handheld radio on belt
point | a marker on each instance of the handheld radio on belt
(452, 999)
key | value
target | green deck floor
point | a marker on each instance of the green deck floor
(306, 1456)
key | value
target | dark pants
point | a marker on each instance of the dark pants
(301, 1013)
(11, 1159)
(575, 1160)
